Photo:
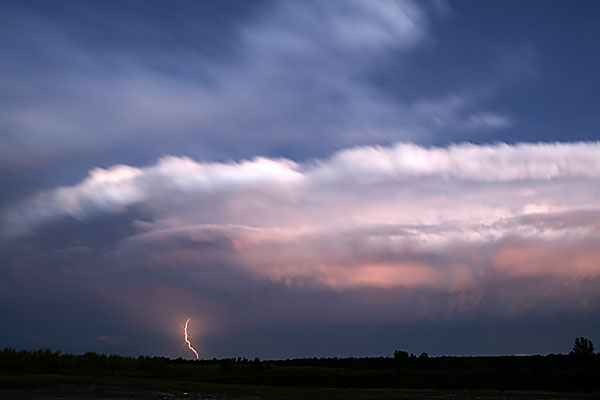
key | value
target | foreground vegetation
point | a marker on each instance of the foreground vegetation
(565, 373)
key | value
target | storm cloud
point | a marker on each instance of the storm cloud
(399, 216)
(300, 178)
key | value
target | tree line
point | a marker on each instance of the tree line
(577, 370)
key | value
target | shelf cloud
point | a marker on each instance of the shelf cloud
(393, 176)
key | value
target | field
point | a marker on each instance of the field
(55, 387)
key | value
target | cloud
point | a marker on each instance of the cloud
(290, 79)
(389, 256)
(460, 221)
(484, 163)
(527, 178)
(487, 121)
(336, 212)
(370, 235)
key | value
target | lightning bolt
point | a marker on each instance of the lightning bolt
(187, 341)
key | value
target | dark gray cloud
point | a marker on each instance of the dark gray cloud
(134, 302)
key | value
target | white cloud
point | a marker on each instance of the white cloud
(469, 185)
(486, 163)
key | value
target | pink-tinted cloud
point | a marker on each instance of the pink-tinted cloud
(470, 223)
(347, 260)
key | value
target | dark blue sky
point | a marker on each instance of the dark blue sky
(300, 178)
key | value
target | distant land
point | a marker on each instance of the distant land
(25, 373)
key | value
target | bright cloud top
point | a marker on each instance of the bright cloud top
(394, 177)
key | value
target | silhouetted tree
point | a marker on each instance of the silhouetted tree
(583, 346)
(400, 355)
(423, 361)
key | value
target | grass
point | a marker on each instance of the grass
(112, 386)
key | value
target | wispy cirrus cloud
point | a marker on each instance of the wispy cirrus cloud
(296, 75)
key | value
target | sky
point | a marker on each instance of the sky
(299, 177)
